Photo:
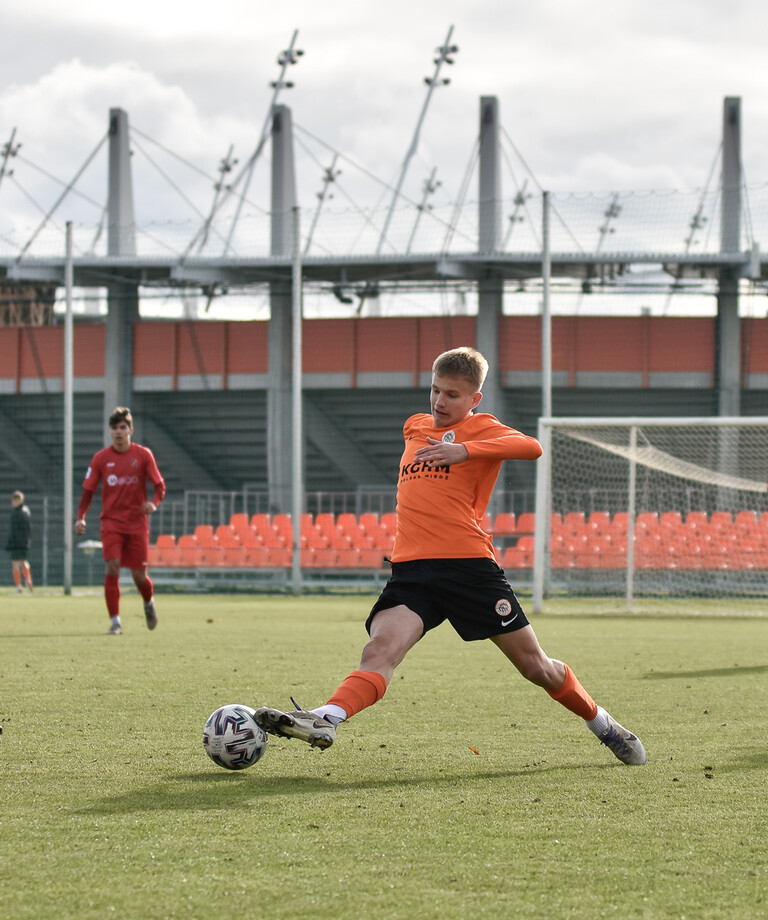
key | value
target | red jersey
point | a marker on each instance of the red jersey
(440, 510)
(124, 479)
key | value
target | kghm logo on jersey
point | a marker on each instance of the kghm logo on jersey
(503, 607)
(449, 437)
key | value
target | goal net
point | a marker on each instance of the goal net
(652, 506)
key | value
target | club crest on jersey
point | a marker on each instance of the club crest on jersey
(449, 437)
(503, 607)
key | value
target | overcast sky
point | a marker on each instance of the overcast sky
(597, 96)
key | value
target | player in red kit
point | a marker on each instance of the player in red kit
(123, 469)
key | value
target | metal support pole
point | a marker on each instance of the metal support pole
(543, 504)
(631, 515)
(546, 312)
(68, 411)
(298, 440)
(543, 466)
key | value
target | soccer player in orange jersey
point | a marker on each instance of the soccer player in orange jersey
(123, 469)
(444, 568)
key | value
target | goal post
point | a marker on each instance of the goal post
(651, 507)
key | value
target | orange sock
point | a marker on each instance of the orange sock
(17, 577)
(574, 697)
(358, 691)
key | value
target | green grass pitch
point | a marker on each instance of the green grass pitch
(110, 807)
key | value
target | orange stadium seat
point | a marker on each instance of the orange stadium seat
(315, 538)
(504, 524)
(382, 539)
(325, 521)
(526, 523)
(371, 558)
(720, 520)
(234, 556)
(257, 556)
(227, 535)
(284, 526)
(369, 520)
(205, 535)
(389, 520)
(249, 536)
(697, 519)
(671, 520)
(745, 521)
(646, 520)
(519, 556)
(239, 521)
(346, 520)
(598, 521)
(575, 521)
(280, 557)
(212, 555)
(620, 522)
(190, 553)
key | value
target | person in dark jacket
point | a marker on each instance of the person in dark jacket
(19, 540)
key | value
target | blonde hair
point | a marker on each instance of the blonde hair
(462, 362)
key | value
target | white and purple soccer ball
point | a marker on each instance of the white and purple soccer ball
(232, 737)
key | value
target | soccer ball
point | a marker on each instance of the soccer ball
(232, 737)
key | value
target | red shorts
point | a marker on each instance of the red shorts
(131, 548)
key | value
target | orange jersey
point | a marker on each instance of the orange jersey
(440, 510)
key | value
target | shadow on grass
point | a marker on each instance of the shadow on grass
(753, 759)
(217, 789)
(735, 671)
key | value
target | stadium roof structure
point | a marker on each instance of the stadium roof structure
(418, 245)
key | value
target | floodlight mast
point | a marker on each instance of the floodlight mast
(286, 58)
(8, 151)
(226, 166)
(444, 56)
(329, 177)
(290, 56)
(430, 186)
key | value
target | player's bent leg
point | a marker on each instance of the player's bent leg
(394, 632)
(523, 650)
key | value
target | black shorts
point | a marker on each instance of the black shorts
(472, 594)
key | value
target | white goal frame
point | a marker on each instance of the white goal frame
(633, 456)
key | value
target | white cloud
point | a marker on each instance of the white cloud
(599, 97)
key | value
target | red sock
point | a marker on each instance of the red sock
(112, 594)
(17, 577)
(574, 697)
(146, 589)
(358, 691)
